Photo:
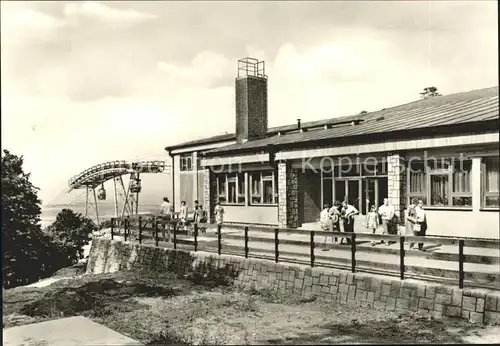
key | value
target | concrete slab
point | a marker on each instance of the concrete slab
(69, 331)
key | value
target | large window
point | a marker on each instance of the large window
(231, 188)
(263, 188)
(461, 193)
(441, 183)
(186, 162)
(417, 181)
(490, 182)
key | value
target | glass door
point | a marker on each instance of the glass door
(327, 192)
(369, 194)
(354, 192)
(340, 190)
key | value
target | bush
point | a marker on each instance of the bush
(71, 231)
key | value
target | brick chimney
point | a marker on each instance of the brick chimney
(251, 100)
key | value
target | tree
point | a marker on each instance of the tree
(72, 231)
(22, 236)
(429, 92)
(363, 112)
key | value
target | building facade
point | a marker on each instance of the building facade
(443, 151)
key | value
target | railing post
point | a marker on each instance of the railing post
(402, 257)
(140, 229)
(312, 248)
(246, 241)
(155, 230)
(219, 239)
(125, 228)
(173, 226)
(112, 228)
(461, 260)
(195, 237)
(353, 252)
(276, 245)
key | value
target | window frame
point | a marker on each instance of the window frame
(458, 194)
(263, 176)
(186, 162)
(484, 193)
(448, 171)
(429, 188)
(417, 195)
(239, 181)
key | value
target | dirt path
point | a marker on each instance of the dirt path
(161, 308)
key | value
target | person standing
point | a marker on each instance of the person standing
(372, 221)
(410, 220)
(386, 213)
(325, 223)
(334, 214)
(183, 213)
(420, 226)
(219, 214)
(200, 217)
(166, 212)
(349, 212)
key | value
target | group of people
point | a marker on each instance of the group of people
(330, 218)
(384, 217)
(199, 215)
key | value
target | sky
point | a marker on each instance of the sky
(87, 82)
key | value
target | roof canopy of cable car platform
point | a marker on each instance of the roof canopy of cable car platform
(98, 174)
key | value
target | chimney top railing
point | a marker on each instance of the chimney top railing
(251, 67)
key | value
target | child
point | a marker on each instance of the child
(372, 221)
(219, 214)
(325, 222)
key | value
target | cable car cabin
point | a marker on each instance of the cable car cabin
(101, 194)
(135, 186)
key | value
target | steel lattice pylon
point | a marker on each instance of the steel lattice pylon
(125, 197)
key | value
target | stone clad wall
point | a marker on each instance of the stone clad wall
(288, 196)
(209, 194)
(327, 284)
(396, 184)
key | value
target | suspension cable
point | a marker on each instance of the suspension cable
(73, 202)
(66, 190)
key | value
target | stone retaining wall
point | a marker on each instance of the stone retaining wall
(366, 290)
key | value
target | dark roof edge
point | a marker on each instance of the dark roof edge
(271, 131)
(482, 126)
(210, 140)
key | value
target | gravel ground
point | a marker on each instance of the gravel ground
(160, 308)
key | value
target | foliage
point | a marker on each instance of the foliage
(429, 92)
(29, 253)
(71, 231)
(23, 241)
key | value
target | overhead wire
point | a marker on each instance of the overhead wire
(80, 195)
(66, 190)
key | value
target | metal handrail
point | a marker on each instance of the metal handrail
(460, 241)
